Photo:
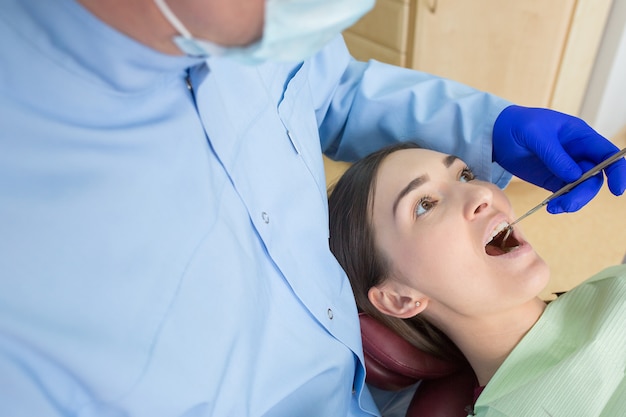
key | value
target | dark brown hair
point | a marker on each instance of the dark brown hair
(352, 242)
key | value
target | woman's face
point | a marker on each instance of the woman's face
(432, 221)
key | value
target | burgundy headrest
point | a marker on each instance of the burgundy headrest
(393, 363)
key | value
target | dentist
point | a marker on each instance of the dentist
(163, 213)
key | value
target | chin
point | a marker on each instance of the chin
(538, 273)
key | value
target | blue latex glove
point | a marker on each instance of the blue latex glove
(552, 149)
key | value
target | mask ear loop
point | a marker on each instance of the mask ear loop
(171, 17)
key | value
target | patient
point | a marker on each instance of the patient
(419, 237)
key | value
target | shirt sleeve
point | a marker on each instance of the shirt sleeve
(363, 106)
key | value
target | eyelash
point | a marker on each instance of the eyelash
(420, 205)
(466, 174)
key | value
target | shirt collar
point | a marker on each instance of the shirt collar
(76, 39)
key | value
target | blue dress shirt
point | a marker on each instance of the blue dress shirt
(163, 219)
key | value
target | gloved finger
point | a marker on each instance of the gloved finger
(561, 164)
(583, 143)
(577, 198)
(616, 172)
(616, 177)
(554, 183)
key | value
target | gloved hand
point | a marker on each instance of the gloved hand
(552, 149)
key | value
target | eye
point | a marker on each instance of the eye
(466, 175)
(424, 205)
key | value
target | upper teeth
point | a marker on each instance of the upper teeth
(499, 228)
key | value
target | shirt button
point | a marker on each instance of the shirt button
(266, 217)
(330, 314)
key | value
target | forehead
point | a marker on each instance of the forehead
(408, 162)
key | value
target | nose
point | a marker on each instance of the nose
(478, 199)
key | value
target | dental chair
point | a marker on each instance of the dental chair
(392, 364)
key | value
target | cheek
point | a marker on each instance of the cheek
(428, 262)
(432, 248)
(449, 244)
(450, 261)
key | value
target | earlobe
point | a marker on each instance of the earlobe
(393, 303)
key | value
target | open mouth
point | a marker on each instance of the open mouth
(502, 240)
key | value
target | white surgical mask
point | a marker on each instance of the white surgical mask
(293, 31)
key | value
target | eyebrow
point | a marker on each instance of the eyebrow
(416, 182)
(449, 160)
(410, 187)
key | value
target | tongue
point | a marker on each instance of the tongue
(494, 250)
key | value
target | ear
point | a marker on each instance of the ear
(397, 300)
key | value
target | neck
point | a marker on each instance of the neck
(486, 342)
(138, 19)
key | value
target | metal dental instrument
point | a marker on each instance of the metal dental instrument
(593, 171)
